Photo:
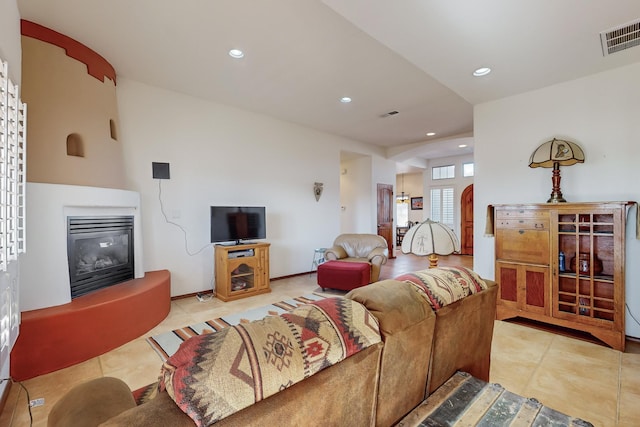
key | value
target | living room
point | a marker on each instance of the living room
(221, 154)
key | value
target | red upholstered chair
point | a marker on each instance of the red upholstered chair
(364, 248)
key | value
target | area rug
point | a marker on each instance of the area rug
(468, 401)
(167, 343)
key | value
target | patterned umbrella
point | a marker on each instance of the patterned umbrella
(430, 238)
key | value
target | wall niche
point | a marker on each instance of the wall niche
(113, 130)
(75, 147)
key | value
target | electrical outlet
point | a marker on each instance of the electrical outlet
(203, 297)
(37, 402)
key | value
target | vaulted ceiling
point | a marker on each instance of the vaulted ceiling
(413, 57)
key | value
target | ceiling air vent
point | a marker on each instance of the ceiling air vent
(390, 113)
(620, 38)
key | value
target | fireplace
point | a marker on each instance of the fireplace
(100, 252)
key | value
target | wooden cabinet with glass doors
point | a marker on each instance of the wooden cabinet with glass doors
(241, 270)
(563, 264)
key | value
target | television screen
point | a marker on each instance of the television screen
(236, 223)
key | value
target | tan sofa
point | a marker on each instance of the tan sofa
(378, 386)
(369, 248)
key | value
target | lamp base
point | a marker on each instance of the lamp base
(433, 261)
(556, 194)
(556, 198)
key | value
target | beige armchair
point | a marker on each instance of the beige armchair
(369, 248)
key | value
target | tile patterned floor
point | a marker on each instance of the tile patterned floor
(579, 378)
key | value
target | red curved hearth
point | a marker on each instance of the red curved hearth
(57, 337)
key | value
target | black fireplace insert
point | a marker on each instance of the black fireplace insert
(100, 252)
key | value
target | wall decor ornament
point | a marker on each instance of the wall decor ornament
(318, 187)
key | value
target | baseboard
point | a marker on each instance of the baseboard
(209, 291)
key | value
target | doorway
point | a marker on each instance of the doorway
(385, 215)
(466, 220)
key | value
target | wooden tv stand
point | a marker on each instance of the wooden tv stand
(241, 270)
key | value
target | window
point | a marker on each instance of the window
(402, 211)
(467, 169)
(443, 172)
(442, 205)
(13, 116)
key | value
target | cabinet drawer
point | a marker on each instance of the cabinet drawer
(524, 223)
(521, 213)
(523, 245)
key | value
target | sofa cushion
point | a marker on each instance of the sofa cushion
(212, 376)
(445, 285)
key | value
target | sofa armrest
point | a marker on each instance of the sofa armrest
(335, 252)
(378, 256)
(92, 403)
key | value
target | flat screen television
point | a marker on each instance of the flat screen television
(237, 223)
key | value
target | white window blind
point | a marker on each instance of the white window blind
(13, 114)
(442, 206)
(436, 204)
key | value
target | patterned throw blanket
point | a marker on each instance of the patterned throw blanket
(445, 285)
(212, 376)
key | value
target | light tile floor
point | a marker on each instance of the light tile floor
(579, 378)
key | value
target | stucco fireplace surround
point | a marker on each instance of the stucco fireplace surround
(66, 331)
(44, 269)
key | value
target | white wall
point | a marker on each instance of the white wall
(601, 113)
(10, 47)
(355, 197)
(220, 155)
(10, 51)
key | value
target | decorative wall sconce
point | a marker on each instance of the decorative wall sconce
(318, 187)
(553, 154)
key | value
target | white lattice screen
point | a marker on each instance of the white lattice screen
(13, 127)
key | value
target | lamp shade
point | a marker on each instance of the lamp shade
(564, 153)
(430, 237)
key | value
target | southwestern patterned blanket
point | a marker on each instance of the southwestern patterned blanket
(445, 285)
(213, 376)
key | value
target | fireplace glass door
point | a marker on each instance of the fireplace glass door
(100, 252)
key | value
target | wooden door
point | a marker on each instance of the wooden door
(466, 227)
(385, 215)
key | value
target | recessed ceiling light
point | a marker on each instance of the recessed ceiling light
(431, 133)
(236, 53)
(345, 100)
(462, 146)
(483, 71)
